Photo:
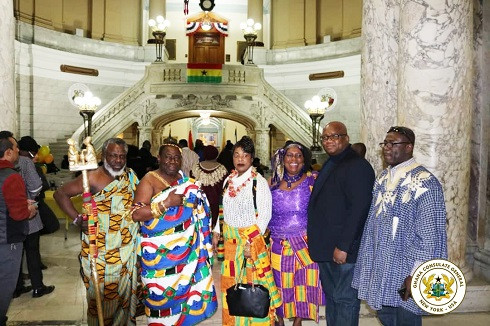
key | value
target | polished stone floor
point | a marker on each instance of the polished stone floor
(67, 305)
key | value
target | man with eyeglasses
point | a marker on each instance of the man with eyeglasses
(112, 186)
(406, 227)
(337, 210)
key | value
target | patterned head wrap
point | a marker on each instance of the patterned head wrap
(277, 163)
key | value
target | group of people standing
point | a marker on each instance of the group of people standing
(330, 238)
(23, 218)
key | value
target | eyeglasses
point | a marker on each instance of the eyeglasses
(332, 137)
(291, 155)
(403, 131)
(389, 145)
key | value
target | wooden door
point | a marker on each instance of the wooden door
(207, 48)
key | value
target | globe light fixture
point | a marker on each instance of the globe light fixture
(159, 30)
(250, 29)
(316, 109)
(87, 104)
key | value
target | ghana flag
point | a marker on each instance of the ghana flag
(204, 72)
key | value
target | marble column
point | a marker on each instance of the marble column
(435, 96)
(479, 223)
(428, 87)
(144, 134)
(262, 142)
(256, 12)
(145, 16)
(7, 64)
(378, 74)
(156, 8)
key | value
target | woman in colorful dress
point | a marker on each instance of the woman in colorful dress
(176, 247)
(296, 275)
(243, 224)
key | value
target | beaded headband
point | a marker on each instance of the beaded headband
(173, 145)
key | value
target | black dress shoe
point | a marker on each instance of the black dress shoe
(36, 293)
(22, 290)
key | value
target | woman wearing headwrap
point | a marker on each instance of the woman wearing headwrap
(295, 274)
(246, 212)
(211, 174)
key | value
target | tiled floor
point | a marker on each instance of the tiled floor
(67, 305)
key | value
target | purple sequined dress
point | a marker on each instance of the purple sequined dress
(296, 275)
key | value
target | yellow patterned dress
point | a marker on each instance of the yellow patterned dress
(235, 240)
(117, 255)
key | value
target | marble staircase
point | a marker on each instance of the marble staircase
(164, 93)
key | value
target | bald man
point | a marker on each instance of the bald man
(337, 211)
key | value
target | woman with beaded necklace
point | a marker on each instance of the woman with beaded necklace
(295, 274)
(243, 224)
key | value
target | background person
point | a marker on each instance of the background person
(294, 270)
(189, 157)
(226, 156)
(360, 149)
(149, 161)
(15, 209)
(176, 248)
(244, 221)
(112, 187)
(337, 212)
(28, 148)
(400, 233)
(211, 175)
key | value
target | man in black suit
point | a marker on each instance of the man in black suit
(337, 210)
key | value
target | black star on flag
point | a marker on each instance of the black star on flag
(204, 73)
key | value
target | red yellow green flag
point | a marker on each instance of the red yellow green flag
(204, 72)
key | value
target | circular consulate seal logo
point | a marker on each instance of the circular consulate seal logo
(438, 286)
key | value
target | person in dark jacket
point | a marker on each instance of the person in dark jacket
(226, 156)
(337, 211)
(15, 210)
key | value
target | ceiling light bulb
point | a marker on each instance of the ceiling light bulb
(257, 26)
(160, 19)
(250, 22)
(152, 22)
(206, 26)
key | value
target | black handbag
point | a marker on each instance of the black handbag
(248, 300)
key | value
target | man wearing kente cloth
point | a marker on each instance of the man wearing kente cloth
(112, 187)
(176, 248)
